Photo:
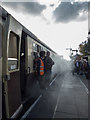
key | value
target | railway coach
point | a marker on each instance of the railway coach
(18, 47)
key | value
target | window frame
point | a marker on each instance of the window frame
(18, 59)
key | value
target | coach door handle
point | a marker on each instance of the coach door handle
(29, 69)
(6, 77)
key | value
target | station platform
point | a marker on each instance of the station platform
(66, 97)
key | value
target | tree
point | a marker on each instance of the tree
(85, 47)
(82, 48)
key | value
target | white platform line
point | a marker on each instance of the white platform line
(86, 89)
(32, 106)
(17, 112)
(53, 80)
(58, 99)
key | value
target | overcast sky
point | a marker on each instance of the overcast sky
(60, 24)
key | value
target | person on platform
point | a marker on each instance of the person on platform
(41, 69)
(48, 67)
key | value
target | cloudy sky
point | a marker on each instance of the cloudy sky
(60, 24)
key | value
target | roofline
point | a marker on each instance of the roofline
(36, 39)
(3, 12)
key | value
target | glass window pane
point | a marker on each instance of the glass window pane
(12, 46)
(13, 52)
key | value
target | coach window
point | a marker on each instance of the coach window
(38, 48)
(34, 46)
(13, 52)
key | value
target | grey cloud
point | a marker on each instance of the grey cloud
(68, 11)
(33, 8)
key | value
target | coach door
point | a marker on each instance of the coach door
(22, 65)
(12, 79)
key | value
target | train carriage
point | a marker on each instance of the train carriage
(18, 46)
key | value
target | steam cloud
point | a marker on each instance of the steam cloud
(61, 65)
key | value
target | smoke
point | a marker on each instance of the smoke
(60, 96)
(63, 93)
(61, 65)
